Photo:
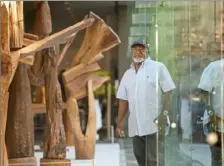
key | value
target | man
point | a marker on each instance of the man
(190, 109)
(141, 92)
(211, 87)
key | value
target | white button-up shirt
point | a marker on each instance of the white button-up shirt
(143, 91)
(212, 80)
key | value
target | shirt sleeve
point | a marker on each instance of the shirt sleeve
(122, 91)
(206, 81)
(165, 79)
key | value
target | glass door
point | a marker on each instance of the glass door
(186, 37)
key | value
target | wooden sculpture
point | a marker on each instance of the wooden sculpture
(19, 48)
(76, 88)
(20, 129)
(84, 143)
(6, 69)
(69, 76)
(54, 142)
(54, 137)
(12, 40)
(98, 38)
(24, 53)
(45, 69)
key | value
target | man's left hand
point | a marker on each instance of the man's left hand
(161, 119)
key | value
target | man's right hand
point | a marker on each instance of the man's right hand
(120, 130)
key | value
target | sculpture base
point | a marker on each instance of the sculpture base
(25, 161)
(54, 162)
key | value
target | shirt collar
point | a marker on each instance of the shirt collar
(147, 60)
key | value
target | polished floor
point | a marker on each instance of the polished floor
(120, 153)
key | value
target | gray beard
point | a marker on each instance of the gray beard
(138, 60)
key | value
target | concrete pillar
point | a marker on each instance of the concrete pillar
(123, 32)
(123, 61)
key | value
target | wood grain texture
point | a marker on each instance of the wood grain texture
(4, 103)
(55, 162)
(35, 72)
(31, 36)
(77, 87)
(78, 70)
(42, 26)
(5, 77)
(19, 131)
(56, 38)
(5, 37)
(21, 29)
(96, 58)
(68, 131)
(54, 136)
(85, 147)
(16, 24)
(4, 106)
(20, 128)
(26, 161)
(40, 95)
(38, 108)
(45, 66)
(84, 143)
(27, 41)
(98, 38)
(27, 60)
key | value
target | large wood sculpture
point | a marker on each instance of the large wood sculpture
(19, 128)
(11, 58)
(84, 143)
(85, 63)
(45, 69)
(54, 143)
(103, 40)
(98, 38)
(69, 76)
(5, 76)
(13, 37)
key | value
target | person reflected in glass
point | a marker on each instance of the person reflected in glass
(211, 89)
(145, 91)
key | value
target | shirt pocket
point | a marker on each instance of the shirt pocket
(150, 82)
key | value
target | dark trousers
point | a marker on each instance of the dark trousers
(216, 152)
(149, 150)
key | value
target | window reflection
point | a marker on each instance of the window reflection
(187, 39)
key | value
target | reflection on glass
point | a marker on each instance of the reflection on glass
(187, 38)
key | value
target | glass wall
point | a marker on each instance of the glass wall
(186, 37)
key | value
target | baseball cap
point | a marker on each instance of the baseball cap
(139, 42)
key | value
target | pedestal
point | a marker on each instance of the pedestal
(54, 162)
(26, 161)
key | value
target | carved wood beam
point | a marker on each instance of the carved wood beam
(77, 87)
(99, 37)
(76, 71)
(56, 38)
(84, 143)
